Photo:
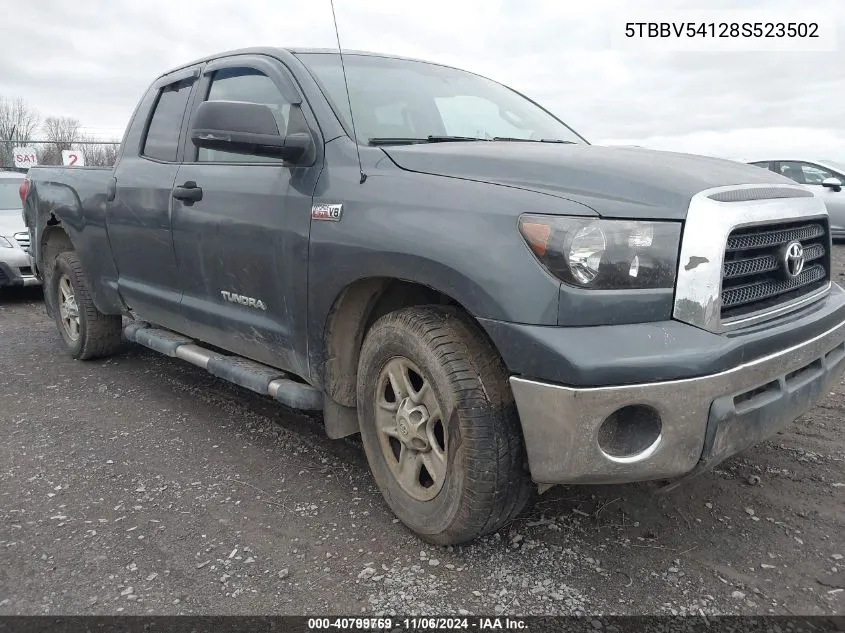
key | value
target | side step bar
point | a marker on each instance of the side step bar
(241, 371)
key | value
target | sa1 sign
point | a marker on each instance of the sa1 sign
(73, 158)
(24, 157)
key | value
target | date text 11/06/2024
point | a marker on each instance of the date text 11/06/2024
(417, 624)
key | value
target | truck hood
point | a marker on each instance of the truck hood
(613, 181)
(11, 222)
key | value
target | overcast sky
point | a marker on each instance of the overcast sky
(93, 59)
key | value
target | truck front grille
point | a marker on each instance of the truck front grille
(754, 277)
(22, 239)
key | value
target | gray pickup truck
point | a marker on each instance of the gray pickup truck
(495, 304)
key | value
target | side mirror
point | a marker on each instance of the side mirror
(245, 128)
(832, 183)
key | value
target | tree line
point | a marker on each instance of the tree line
(21, 125)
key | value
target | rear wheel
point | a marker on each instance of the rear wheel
(439, 425)
(87, 332)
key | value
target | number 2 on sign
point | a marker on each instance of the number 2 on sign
(72, 158)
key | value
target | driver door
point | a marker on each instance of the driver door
(242, 248)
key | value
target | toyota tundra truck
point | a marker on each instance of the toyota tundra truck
(433, 260)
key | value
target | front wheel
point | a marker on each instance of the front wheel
(439, 425)
(86, 332)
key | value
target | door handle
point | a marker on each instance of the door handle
(188, 193)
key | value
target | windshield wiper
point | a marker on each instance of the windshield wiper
(531, 140)
(399, 140)
(427, 139)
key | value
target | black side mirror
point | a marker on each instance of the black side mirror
(245, 128)
(832, 183)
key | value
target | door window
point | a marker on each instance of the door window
(804, 173)
(251, 86)
(814, 175)
(162, 138)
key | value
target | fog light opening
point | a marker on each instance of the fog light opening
(630, 433)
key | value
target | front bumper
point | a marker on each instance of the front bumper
(16, 268)
(703, 419)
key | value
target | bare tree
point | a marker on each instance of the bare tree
(18, 124)
(102, 154)
(61, 132)
(110, 153)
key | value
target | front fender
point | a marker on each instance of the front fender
(457, 237)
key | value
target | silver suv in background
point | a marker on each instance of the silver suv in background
(15, 262)
(824, 177)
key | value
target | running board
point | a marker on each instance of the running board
(241, 371)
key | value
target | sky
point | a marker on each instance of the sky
(92, 60)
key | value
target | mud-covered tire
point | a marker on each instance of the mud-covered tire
(97, 334)
(486, 482)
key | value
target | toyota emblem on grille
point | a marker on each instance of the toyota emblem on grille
(793, 259)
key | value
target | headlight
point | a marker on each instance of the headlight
(605, 254)
(585, 252)
(4, 243)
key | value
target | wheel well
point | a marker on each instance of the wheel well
(54, 240)
(354, 312)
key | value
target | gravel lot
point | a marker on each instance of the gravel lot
(141, 484)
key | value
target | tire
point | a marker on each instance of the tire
(458, 469)
(86, 332)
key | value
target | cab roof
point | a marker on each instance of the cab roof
(281, 52)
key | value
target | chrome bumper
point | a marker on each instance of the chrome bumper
(703, 420)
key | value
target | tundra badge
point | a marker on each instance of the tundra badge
(330, 212)
(250, 302)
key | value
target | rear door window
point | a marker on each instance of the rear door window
(162, 140)
(9, 194)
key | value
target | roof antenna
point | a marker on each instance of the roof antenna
(348, 98)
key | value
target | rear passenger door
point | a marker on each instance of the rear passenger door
(243, 248)
(138, 216)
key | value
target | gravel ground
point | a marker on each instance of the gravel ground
(141, 484)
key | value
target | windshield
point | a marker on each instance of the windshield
(401, 99)
(9, 196)
(835, 164)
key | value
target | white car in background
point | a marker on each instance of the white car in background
(15, 262)
(825, 178)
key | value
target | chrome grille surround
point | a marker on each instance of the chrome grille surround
(709, 223)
